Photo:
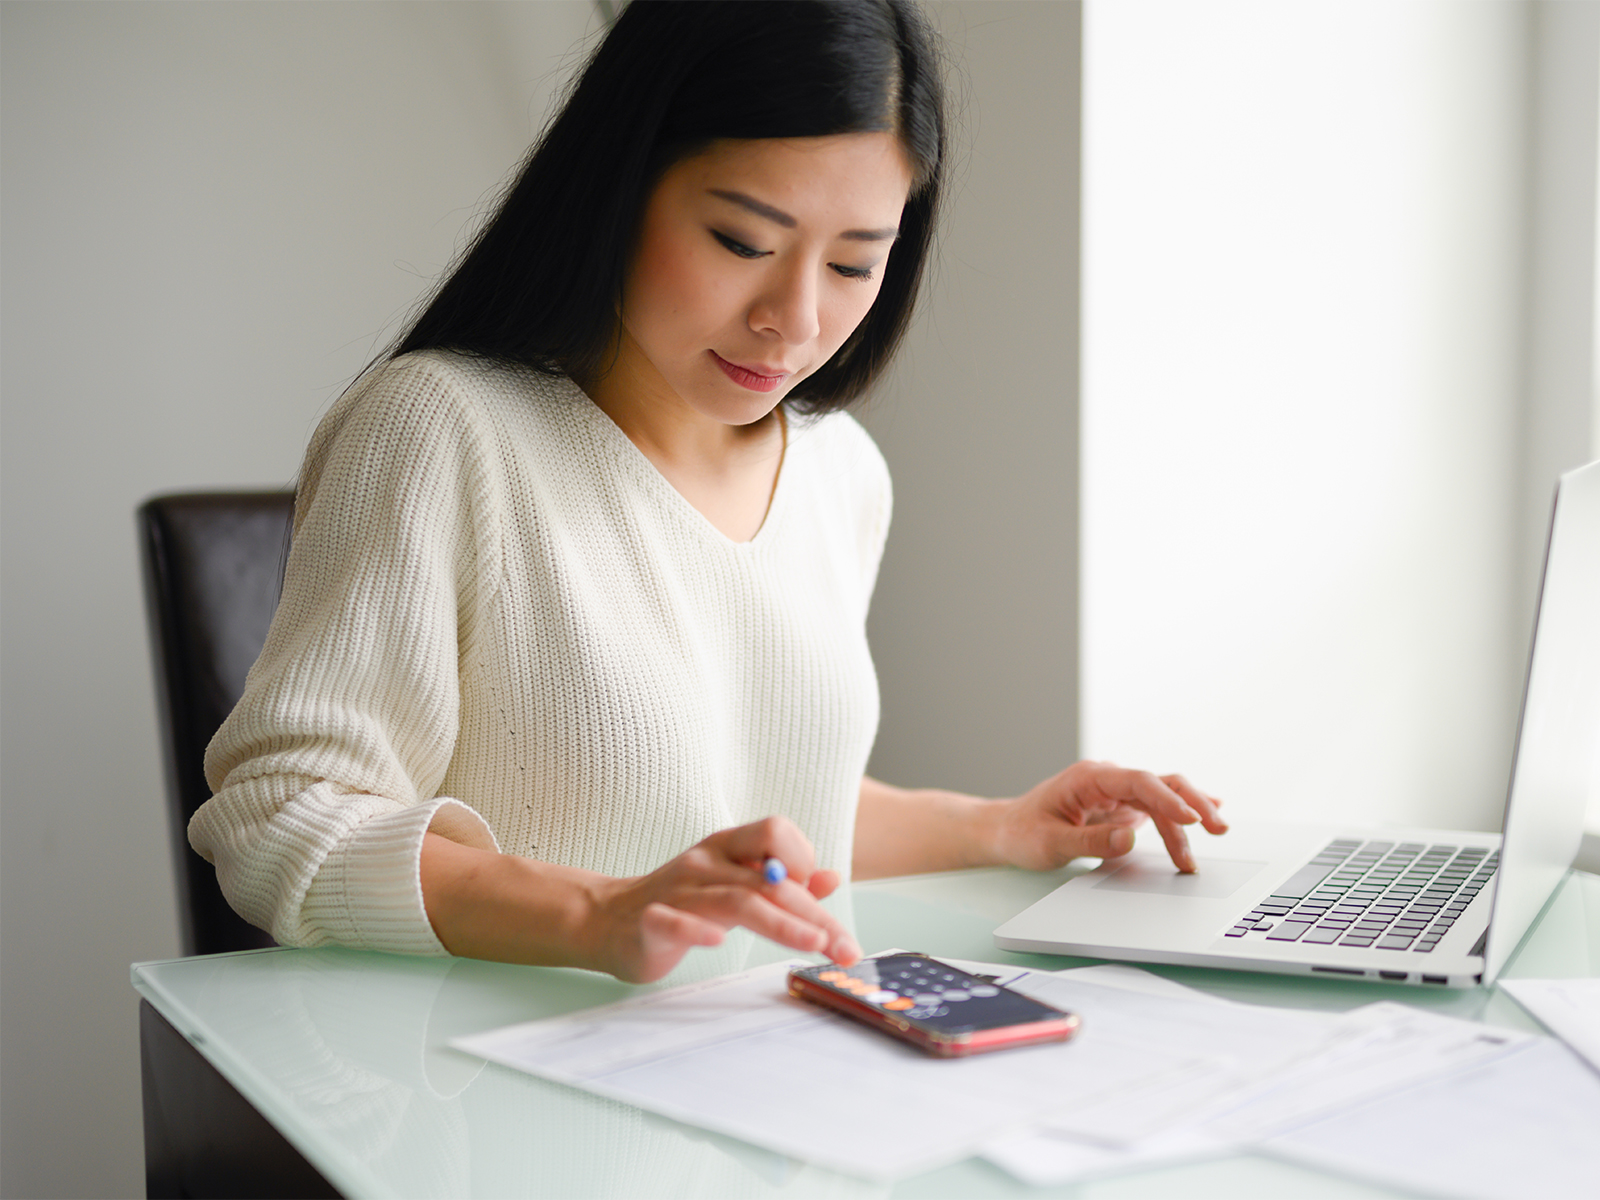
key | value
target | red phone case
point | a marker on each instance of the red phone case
(936, 1042)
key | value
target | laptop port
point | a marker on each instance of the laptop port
(1434, 979)
(1391, 974)
(1339, 970)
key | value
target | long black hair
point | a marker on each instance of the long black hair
(541, 284)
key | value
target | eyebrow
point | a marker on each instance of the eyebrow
(778, 217)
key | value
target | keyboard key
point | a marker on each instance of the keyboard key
(1356, 941)
(1303, 881)
(1237, 931)
(1289, 931)
(1395, 941)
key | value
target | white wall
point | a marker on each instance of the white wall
(1309, 372)
(210, 214)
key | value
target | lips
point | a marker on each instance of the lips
(756, 378)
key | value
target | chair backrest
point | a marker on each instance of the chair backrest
(213, 566)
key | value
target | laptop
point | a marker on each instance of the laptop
(1409, 905)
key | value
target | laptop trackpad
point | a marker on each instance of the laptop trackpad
(1217, 878)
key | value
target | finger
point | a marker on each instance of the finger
(1108, 841)
(1203, 804)
(801, 901)
(1157, 799)
(734, 904)
(823, 883)
(771, 837)
(703, 881)
(1104, 840)
(1133, 818)
(1177, 844)
(665, 936)
(663, 922)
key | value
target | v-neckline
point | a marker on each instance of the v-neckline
(629, 451)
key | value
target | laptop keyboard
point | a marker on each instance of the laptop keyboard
(1384, 895)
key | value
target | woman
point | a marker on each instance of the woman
(572, 634)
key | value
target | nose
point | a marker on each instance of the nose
(787, 307)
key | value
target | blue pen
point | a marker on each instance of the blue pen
(774, 870)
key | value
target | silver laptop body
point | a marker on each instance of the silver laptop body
(1266, 896)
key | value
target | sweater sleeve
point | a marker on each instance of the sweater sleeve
(325, 775)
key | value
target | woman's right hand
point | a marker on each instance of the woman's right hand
(484, 904)
(643, 927)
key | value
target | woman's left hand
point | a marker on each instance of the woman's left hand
(1091, 810)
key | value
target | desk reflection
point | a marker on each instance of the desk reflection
(355, 1045)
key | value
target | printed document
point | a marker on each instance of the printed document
(740, 1056)
(1568, 1008)
(1158, 1072)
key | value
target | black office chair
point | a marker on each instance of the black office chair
(213, 571)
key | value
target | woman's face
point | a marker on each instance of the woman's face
(755, 261)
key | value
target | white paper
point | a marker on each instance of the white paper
(1225, 1050)
(1370, 1052)
(741, 1057)
(1568, 1008)
(1525, 1125)
(1157, 1074)
(1390, 1048)
(1135, 979)
(1044, 1158)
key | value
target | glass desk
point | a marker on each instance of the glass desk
(344, 1054)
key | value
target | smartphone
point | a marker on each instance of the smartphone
(936, 1007)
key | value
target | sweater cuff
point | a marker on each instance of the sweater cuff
(368, 892)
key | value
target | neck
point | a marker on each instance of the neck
(672, 433)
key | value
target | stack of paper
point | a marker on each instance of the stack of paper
(1568, 1008)
(739, 1056)
(1157, 1074)
(1369, 1053)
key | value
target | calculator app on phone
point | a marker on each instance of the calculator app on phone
(937, 1007)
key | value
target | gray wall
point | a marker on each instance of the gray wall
(975, 621)
(211, 214)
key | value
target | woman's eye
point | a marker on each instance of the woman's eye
(852, 272)
(739, 247)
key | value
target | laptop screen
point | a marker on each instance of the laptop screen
(1558, 742)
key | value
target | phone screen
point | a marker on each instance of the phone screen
(933, 1004)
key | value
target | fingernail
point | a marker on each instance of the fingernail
(1121, 841)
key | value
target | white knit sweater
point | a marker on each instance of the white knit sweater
(501, 623)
